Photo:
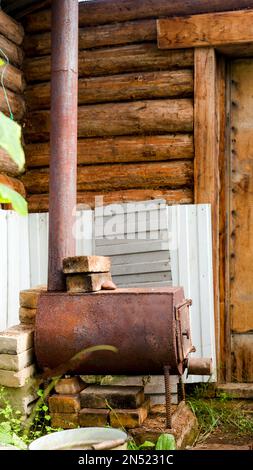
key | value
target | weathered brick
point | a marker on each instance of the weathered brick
(27, 315)
(86, 264)
(29, 298)
(16, 362)
(65, 420)
(87, 282)
(70, 386)
(90, 417)
(116, 397)
(16, 379)
(21, 398)
(129, 418)
(64, 403)
(16, 339)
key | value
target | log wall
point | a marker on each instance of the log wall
(135, 117)
(11, 38)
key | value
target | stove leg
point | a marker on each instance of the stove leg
(181, 389)
(168, 396)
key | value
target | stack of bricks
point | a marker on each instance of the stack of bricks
(87, 273)
(76, 404)
(17, 368)
(17, 361)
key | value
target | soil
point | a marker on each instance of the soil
(220, 440)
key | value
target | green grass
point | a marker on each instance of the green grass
(219, 413)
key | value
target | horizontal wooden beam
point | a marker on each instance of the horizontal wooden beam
(174, 174)
(119, 150)
(11, 29)
(16, 103)
(113, 11)
(7, 165)
(13, 183)
(112, 119)
(213, 29)
(40, 202)
(97, 36)
(110, 61)
(14, 79)
(134, 86)
(14, 53)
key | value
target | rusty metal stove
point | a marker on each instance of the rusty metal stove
(150, 327)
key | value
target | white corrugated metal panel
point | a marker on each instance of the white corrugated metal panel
(3, 270)
(191, 263)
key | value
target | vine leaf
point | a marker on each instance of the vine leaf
(9, 196)
(10, 139)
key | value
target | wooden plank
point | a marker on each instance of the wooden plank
(14, 53)
(13, 183)
(119, 150)
(241, 200)
(108, 11)
(99, 36)
(11, 29)
(242, 359)
(40, 202)
(134, 86)
(110, 61)
(16, 103)
(206, 30)
(206, 169)
(118, 177)
(112, 119)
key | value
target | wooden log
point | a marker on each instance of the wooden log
(139, 117)
(16, 103)
(10, 29)
(110, 61)
(40, 202)
(213, 29)
(119, 150)
(112, 11)
(118, 177)
(7, 165)
(13, 183)
(14, 53)
(134, 86)
(98, 36)
(13, 79)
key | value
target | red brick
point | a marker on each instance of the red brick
(90, 417)
(64, 403)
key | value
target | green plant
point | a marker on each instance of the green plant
(10, 142)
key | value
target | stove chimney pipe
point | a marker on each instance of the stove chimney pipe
(63, 162)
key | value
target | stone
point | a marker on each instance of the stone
(86, 282)
(65, 420)
(17, 362)
(69, 386)
(29, 298)
(16, 339)
(108, 285)
(114, 397)
(184, 427)
(18, 379)
(86, 264)
(129, 419)
(90, 417)
(27, 315)
(64, 403)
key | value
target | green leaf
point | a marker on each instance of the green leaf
(9, 196)
(47, 417)
(2, 62)
(146, 444)
(40, 393)
(166, 442)
(44, 407)
(10, 140)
